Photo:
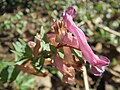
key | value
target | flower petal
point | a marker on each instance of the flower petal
(52, 38)
(70, 41)
(97, 70)
(67, 71)
(61, 66)
(71, 11)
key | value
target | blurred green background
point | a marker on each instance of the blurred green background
(99, 19)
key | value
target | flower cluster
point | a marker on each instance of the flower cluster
(67, 34)
(63, 38)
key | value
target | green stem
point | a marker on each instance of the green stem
(85, 77)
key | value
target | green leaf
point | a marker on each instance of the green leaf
(45, 46)
(19, 31)
(4, 74)
(15, 46)
(41, 62)
(61, 55)
(21, 61)
(46, 54)
(19, 45)
(14, 75)
(45, 38)
(42, 32)
(4, 63)
(77, 53)
(53, 70)
(28, 52)
(36, 37)
(38, 63)
(22, 42)
(53, 49)
(17, 53)
(22, 49)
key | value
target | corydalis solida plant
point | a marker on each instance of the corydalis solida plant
(67, 36)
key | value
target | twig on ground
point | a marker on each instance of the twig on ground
(114, 73)
(109, 30)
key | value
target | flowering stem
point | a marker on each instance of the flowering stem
(85, 78)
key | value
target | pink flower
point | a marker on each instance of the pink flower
(61, 37)
(68, 65)
(31, 44)
(67, 71)
(98, 63)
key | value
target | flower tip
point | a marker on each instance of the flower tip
(70, 11)
(99, 69)
(31, 44)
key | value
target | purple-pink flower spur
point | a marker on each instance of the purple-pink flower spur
(98, 63)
